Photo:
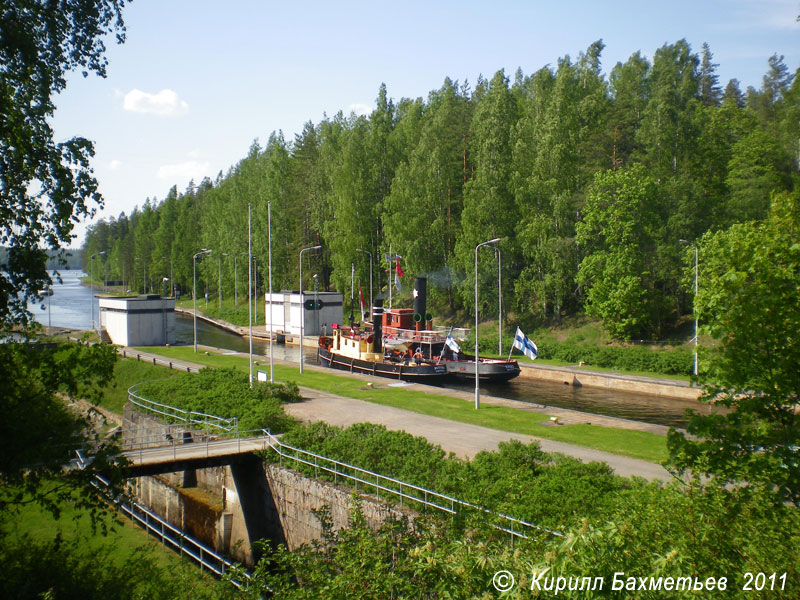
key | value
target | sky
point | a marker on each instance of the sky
(197, 81)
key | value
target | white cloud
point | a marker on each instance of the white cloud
(165, 103)
(360, 109)
(115, 164)
(190, 169)
(768, 14)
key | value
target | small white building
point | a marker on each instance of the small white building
(138, 320)
(318, 309)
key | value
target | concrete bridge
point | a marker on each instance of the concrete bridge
(183, 455)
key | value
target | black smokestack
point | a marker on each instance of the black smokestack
(377, 324)
(420, 301)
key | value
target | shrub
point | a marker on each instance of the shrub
(227, 393)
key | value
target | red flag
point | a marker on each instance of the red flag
(398, 269)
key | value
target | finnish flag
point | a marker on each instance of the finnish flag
(453, 345)
(524, 345)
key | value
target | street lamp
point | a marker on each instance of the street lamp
(194, 293)
(269, 248)
(477, 384)
(91, 282)
(220, 281)
(370, 277)
(302, 306)
(694, 302)
(170, 276)
(499, 302)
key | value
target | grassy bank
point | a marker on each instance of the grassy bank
(67, 556)
(635, 444)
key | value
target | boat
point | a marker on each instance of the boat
(360, 350)
(403, 343)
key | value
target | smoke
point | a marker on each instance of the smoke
(442, 279)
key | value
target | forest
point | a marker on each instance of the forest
(590, 180)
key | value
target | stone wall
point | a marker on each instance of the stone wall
(676, 390)
(297, 497)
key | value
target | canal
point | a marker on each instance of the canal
(70, 307)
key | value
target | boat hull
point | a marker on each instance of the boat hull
(499, 371)
(424, 373)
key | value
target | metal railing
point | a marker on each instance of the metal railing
(369, 480)
(405, 491)
(157, 361)
(173, 537)
(209, 423)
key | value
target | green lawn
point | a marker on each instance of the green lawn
(123, 543)
(635, 444)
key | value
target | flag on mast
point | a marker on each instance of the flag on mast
(398, 272)
(525, 345)
(363, 304)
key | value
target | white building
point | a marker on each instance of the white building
(138, 320)
(318, 309)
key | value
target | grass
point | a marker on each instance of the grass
(635, 444)
(123, 541)
(126, 374)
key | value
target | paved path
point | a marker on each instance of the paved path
(462, 439)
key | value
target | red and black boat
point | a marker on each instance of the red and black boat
(402, 343)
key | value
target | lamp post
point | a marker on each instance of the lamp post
(170, 276)
(694, 302)
(254, 283)
(302, 306)
(499, 301)
(370, 276)
(91, 282)
(477, 384)
(220, 280)
(269, 248)
(194, 293)
(235, 284)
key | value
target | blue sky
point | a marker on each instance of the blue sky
(196, 82)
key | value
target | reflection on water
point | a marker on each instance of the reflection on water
(639, 407)
(70, 308)
(209, 335)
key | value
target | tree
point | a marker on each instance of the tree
(710, 93)
(749, 302)
(619, 232)
(40, 433)
(45, 186)
(489, 210)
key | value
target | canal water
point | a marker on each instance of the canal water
(70, 307)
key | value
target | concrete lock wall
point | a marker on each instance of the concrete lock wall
(228, 508)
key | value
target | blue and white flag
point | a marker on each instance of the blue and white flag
(452, 344)
(524, 345)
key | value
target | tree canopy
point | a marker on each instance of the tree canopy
(46, 187)
(749, 304)
(525, 158)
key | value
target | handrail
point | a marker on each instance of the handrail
(403, 489)
(177, 539)
(370, 479)
(219, 424)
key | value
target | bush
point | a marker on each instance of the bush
(517, 479)
(628, 358)
(227, 393)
